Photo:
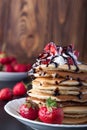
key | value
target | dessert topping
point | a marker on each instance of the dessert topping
(57, 55)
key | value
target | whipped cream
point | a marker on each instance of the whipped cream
(57, 55)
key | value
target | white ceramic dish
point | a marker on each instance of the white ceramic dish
(12, 109)
(13, 76)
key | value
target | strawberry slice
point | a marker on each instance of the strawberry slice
(51, 47)
(70, 61)
(44, 55)
(45, 61)
(76, 53)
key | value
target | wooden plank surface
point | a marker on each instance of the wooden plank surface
(27, 25)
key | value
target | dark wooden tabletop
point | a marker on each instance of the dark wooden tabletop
(9, 123)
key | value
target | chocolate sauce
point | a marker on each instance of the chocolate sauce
(34, 70)
(52, 61)
(56, 65)
(67, 78)
(80, 82)
(56, 92)
(56, 83)
(77, 68)
(56, 76)
(80, 95)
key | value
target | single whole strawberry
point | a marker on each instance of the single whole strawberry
(6, 94)
(4, 59)
(51, 113)
(19, 89)
(20, 67)
(8, 68)
(29, 110)
(12, 60)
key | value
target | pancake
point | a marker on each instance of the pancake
(61, 81)
(75, 115)
(64, 67)
(57, 91)
(59, 98)
(75, 110)
(47, 86)
(57, 73)
(75, 121)
(60, 104)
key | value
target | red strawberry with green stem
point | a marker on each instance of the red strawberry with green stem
(51, 113)
(29, 110)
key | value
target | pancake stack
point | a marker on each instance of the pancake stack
(58, 74)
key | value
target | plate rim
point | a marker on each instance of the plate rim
(36, 122)
(12, 76)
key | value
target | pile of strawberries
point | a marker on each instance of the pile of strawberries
(10, 64)
(49, 113)
(18, 90)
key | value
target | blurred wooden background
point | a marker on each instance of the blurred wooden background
(27, 25)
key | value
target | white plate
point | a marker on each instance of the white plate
(13, 76)
(12, 109)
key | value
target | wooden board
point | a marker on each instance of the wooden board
(27, 25)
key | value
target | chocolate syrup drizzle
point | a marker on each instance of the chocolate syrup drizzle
(80, 84)
(46, 55)
(74, 61)
(56, 92)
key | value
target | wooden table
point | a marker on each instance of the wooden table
(9, 123)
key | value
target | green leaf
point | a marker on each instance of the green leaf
(51, 103)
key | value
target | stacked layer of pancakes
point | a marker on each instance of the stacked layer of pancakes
(65, 83)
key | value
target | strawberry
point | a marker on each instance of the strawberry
(8, 68)
(70, 61)
(51, 113)
(28, 67)
(45, 61)
(6, 94)
(12, 60)
(4, 59)
(19, 89)
(51, 47)
(76, 53)
(29, 110)
(20, 68)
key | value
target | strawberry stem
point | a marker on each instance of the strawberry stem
(51, 103)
